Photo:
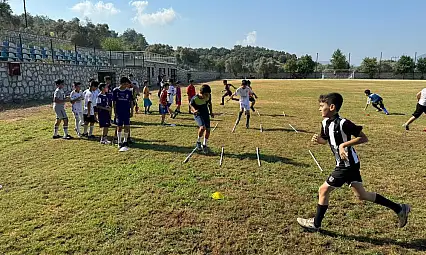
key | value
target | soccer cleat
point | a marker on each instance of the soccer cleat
(198, 146)
(67, 137)
(378, 110)
(406, 127)
(403, 215)
(85, 135)
(222, 104)
(123, 149)
(252, 108)
(307, 224)
(129, 141)
(91, 137)
(206, 150)
(120, 145)
(56, 137)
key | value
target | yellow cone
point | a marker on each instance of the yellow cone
(217, 195)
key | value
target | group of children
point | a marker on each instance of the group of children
(341, 134)
(96, 105)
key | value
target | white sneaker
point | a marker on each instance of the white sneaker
(307, 224)
(123, 149)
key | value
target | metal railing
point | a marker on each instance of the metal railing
(25, 47)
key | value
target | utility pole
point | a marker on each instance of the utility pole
(25, 14)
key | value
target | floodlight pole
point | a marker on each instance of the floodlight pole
(25, 14)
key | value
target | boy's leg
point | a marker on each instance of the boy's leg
(383, 107)
(375, 105)
(56, 128)
(401, 210)
(248, 118)
(223, 99)
(252, 105)
(324, 196)
(417, 113)
(65, 127)
(92, 126)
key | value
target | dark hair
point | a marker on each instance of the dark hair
(332, 98)
(225, 81)
(59, 82)
(367, 91)
(76, 83)
(191, 81)
(94, 84)
(102, 86)
(244, 82)
(107, 78)
(145, 81)
(130, 75)
(91, 79)
(248, 82)
(171, 81)
(165, 85)
(205, 89)
(124, 80)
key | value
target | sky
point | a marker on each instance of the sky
(361, 28)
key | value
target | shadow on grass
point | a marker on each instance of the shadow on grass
(397, 114)
(417, 244)
(276, 115)
(266, 158)
(19, 105)
(139, 123)
(287, 130)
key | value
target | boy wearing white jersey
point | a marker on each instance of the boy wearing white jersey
(244, 92)
(89, 109)
(76, 97)
(59, 100)
(420, 108)
(171, 93)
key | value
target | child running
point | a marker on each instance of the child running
(338, 132)
(252, 97)
(201, 106)
(376, 100)
(163, 106)
(190, 91)
(59, 100)
(76, 97)
(227, 91)
(244, 93)
(420, 108)
(146, 101)
(123, 108)
(104, 112)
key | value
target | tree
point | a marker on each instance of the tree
(421, 65)
(305, 65)
(370, 66)
(5, 10)
(387, 66)
(134, 40)
(220, 66)
(405, 65)
(291, 66)
(234, 65)
(266, 66)
(113, 44)
(162, 49)
(338, 61)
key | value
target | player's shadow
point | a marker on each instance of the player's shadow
(266, 158)
(140, 123)
(289, 130)
(275, 115)
(149, 145)
(397, 114)
(417, 244)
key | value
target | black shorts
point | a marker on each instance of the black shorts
(342, 175)
(420, 109)
(252, 99)
(379, 103)
(89, 119)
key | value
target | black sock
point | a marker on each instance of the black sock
(239, 116)
(248, 119)
(321, 209)
(389, 204)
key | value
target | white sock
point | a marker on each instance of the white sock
(119, 135)
(205, 141)
(85, 129)
(55, 130)
(65, 131)
(198, 139)
(125, 137)
(91, 130)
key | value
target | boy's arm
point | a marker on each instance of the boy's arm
(210, 105)
(368, 102)
(362, 138)
(89, 104)
(419, 95)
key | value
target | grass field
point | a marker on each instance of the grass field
(80, 197)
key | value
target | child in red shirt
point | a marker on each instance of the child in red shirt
(190, 91)
(163, 109)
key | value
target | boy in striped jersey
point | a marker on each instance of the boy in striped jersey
(337, 132)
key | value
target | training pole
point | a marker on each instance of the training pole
(293, 128)
(261, 129)
(258, 156)
(189, 156)
(310, 152)
(233, 129)
(284, 114)
(221, 156)
(215, 126)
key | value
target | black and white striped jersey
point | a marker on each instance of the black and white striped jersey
(337, 131)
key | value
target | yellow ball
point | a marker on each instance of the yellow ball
(217, 195)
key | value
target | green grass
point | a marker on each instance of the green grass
(78, 197)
